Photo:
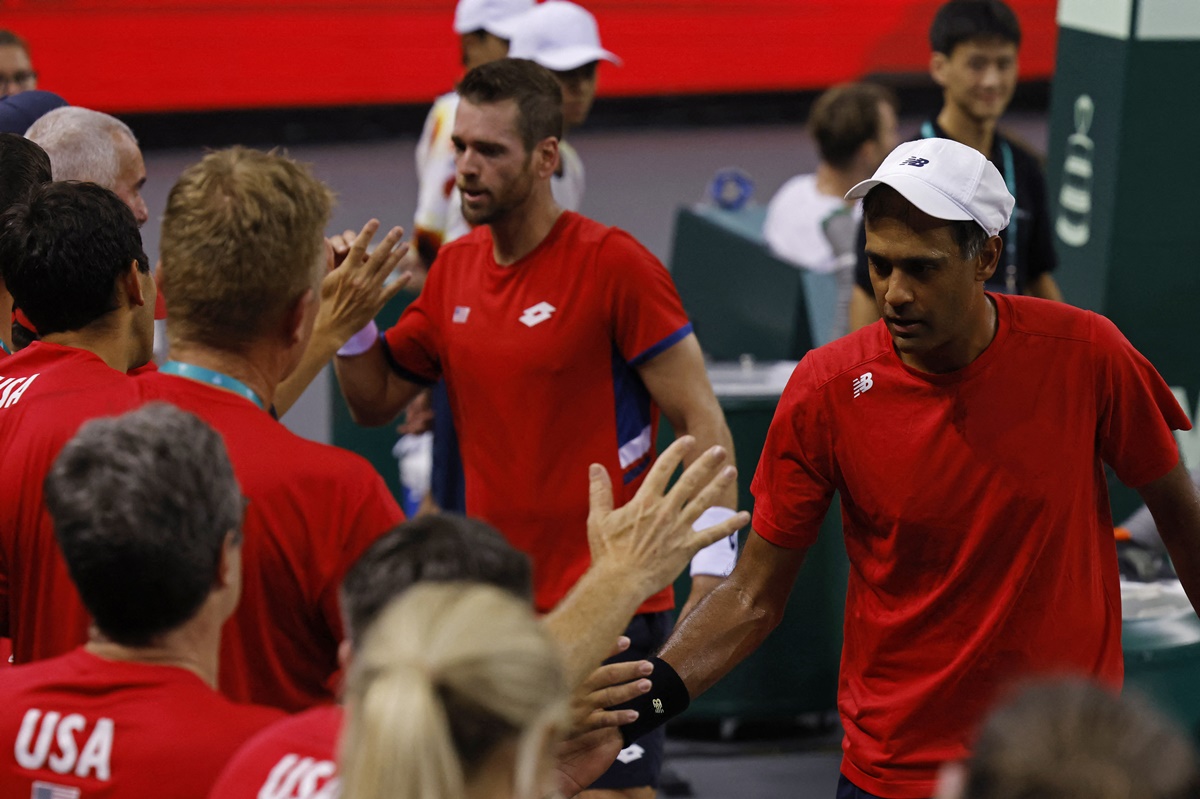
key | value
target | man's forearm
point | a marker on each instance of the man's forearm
(726, 626)
(364, 383)
(590, 618)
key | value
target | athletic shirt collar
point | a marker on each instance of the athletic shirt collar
(555, 231)
(1003, 325)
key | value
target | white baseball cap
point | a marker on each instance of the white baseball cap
(475, 15)
(946, 180)
(559, 35)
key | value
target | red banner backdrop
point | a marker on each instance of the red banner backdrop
(175, 55)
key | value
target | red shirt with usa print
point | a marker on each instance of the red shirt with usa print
(540, 359)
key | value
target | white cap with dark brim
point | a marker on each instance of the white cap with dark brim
(557, 34)
(946, 180)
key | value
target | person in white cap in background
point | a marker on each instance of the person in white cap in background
(563, 38)
(438, 217)
(965, 432)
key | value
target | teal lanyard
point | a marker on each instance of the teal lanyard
(7, 351)
(202, 375)
(1010, 233)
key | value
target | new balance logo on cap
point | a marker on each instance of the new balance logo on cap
(536, 314)
(863, 383)
(914, 161)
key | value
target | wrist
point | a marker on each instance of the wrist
(360, 342)
(666, 699)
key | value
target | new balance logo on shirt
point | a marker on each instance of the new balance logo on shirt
(536, 314)
(914, 161)
(862, 384)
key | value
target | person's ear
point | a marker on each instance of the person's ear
(229, 563)
(547, 155)
(132, 280)
(989, 258)
(296, 319)
(937, 68)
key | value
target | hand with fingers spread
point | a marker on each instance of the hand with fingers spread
(356, 289)
(651, 538)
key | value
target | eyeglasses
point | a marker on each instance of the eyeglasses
(22, 80)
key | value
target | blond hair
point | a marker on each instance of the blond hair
(242, 240)
(448, 673)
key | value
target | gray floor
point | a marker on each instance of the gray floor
(636, 180)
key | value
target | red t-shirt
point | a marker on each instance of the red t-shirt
(46, 392)
(114, 729)
(312, 511)
(976, 519)
(540, 360)
(295, 758)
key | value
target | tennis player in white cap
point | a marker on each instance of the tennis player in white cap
(966, 433)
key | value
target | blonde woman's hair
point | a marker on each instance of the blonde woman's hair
(242, 240)
(447, 673)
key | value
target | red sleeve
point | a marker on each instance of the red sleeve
(1137, 410)
(648, 316)
(412, 346)
(794, 483)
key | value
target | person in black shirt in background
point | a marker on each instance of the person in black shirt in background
(974, 60)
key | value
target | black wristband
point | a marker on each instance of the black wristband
(666, 699)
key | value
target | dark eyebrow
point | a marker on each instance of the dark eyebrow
(903, 262)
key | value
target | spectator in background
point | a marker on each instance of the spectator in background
(16, 68)
(19, 111)
(90, 146)
(1072, 739)
(147, 513)
(456, 691)
(563, 38)
(438, 217)
(974, 47)
(23, 165)
(809, 222)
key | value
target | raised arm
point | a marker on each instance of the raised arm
(353, 291)
(1174, 503)
(638, 549)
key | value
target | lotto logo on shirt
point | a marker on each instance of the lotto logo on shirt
(54, 744)
(536, 314)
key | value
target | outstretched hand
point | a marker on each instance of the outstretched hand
(355, 289)
(651, 538)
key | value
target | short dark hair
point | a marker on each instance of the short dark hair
(142, 504)
(10, 39)
(1072, 739)
(23, 165)
(968, 234)
(959, 21)
(534, 89)
(63, 250)
(441, 547)
(846, 117)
